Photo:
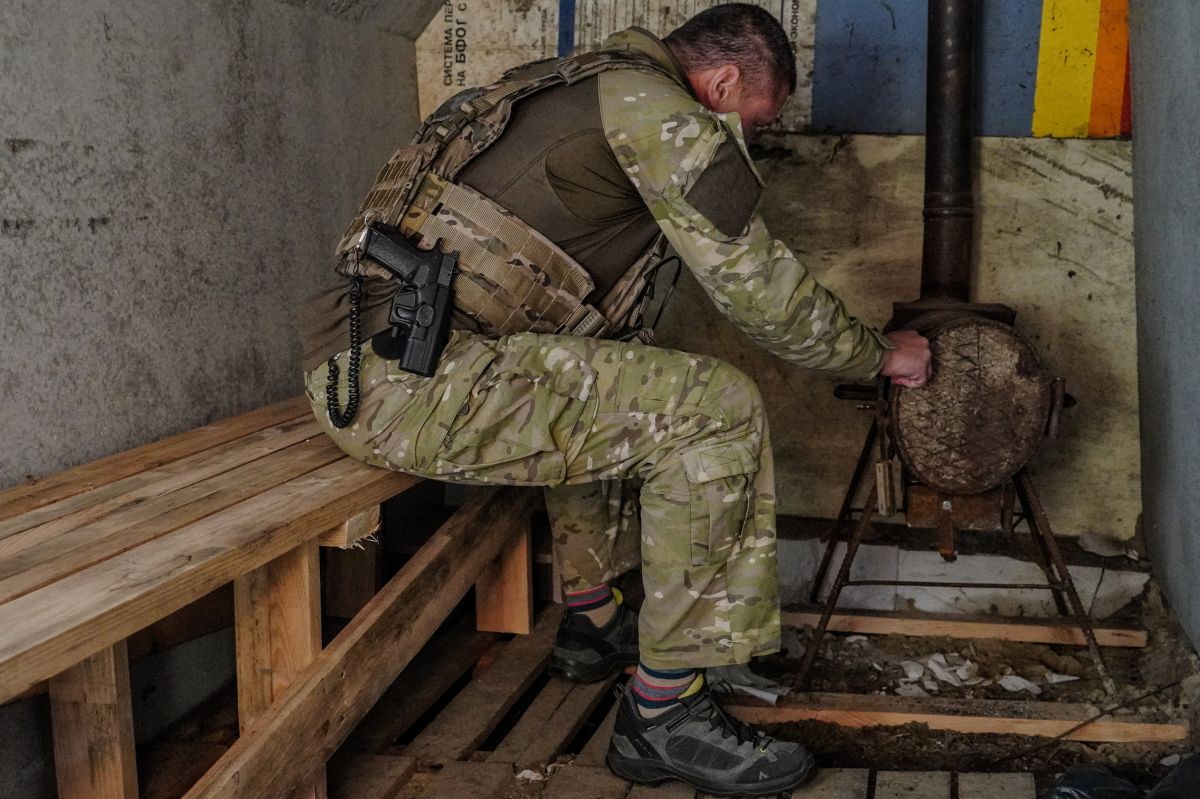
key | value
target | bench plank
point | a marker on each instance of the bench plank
(319, 712)
(90, 505)
(68, 550)
(92, 714)
(55, 627)
(61, 485)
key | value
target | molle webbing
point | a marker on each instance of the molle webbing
(512, 279)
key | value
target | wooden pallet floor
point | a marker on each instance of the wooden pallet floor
(512, 732)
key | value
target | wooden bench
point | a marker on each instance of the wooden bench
(93, 555)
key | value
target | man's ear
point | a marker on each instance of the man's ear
(725, 85)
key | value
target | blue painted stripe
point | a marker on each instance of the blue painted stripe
(869, 66)
(566, 27)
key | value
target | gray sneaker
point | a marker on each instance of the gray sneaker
(698, 744)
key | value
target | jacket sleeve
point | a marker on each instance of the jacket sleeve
(751, 276)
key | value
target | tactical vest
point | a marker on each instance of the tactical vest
(512, 279)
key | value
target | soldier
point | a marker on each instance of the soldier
(557, 187)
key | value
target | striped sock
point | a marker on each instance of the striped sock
(656, 691)
(599, 604)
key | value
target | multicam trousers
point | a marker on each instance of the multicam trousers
(627, 439)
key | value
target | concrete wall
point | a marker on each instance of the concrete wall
(174, 175)
(1167, 158)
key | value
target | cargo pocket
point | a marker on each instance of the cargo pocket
(521, 422)
(721, 474)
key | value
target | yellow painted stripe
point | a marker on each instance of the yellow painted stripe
(1062, 104)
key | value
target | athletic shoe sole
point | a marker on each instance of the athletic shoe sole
(574, 671)
(648, 772)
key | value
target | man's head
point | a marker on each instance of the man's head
(738, 58)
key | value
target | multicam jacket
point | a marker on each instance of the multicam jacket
(601, 167)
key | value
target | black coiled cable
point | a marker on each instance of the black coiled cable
(336, 417)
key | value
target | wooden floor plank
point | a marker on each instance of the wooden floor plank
(44, 523)
(1047, 719)
(596, 748)
(62, 485)
(668, 790)
(912, 784)
(469, 719)
(583, 782)
(145, 519)
(331, 697)
(458, 780)
(439, 665)
(368, 776)
(996, 786)
(838, 783)
(50, 629)
(1043, 631)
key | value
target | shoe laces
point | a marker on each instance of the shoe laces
(704, 708)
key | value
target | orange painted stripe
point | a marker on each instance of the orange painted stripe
(1112, 60)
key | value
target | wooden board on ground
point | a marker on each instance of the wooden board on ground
(440, 664)
(584, 782)
(913, 784)
(1037, 631)
(368, 776)
(667, 790)
(996, 786)
(596, 748)
(1046, 719)
(837, 783)
(550, 723)
(459, 780)
(466, 722)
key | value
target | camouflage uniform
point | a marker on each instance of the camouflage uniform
(632, 441)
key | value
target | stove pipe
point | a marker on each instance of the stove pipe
(949, 128)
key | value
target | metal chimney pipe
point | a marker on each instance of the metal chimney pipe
(949, 128)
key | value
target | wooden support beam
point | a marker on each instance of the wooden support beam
(995, 717)
(504, 592)
(278, 754)
(1038, 631)
(277, 611)
(92, 714)
(353, 530)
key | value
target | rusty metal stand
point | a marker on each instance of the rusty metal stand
(1058, 578)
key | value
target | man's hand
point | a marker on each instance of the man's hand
(909, 364)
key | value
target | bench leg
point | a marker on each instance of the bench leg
(277, 612)
(504, 592)
(92, 714)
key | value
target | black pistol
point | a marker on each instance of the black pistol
(420, 314)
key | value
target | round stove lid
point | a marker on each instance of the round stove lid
(983, 413)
